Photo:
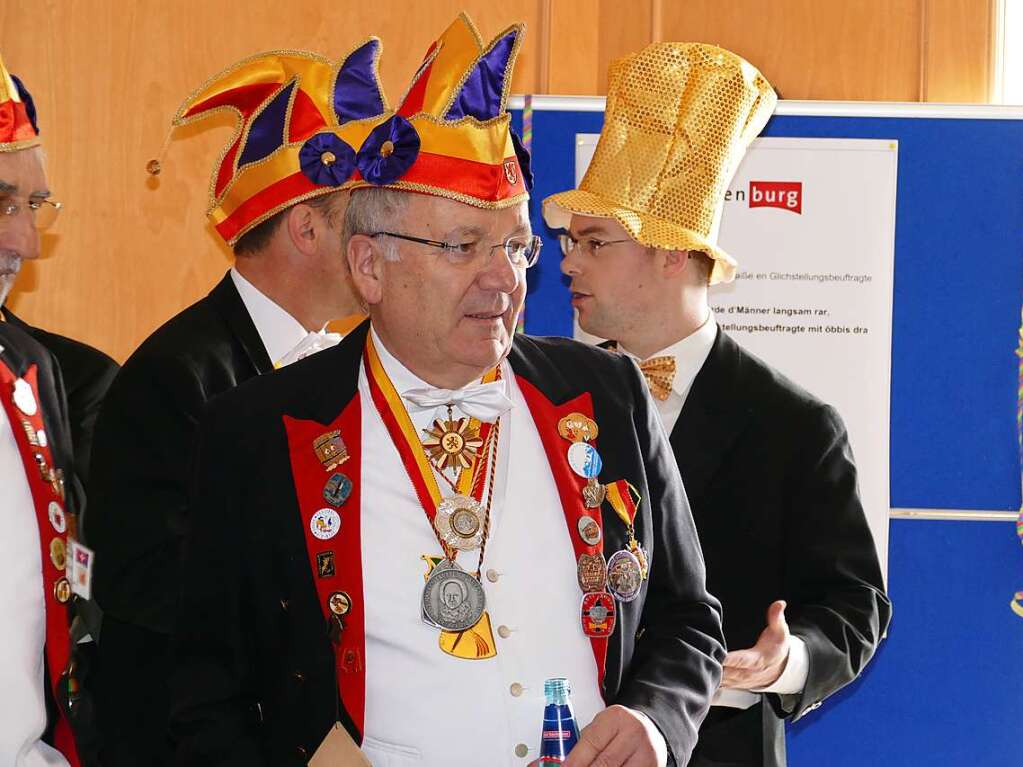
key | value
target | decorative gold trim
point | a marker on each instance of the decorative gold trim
(282, 207)
(180, 120)
(408, 186)
(462, 122)
(378, 53)
(520, 30)
(15, 146)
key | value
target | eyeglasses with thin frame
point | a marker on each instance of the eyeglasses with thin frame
(43, 212)
(588, 246)
(523, 251)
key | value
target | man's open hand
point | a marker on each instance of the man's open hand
(761, 665)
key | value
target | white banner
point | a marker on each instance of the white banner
(812, 224)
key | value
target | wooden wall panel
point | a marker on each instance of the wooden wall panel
(808, 49)
(109, 74)
(956, 58)
(131, 251)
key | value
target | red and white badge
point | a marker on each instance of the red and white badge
(57, 518)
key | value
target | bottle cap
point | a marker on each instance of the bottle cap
(557, 690)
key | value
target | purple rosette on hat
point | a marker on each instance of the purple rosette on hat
(388, 151)
(327, 160)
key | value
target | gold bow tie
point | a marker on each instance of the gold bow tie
(659, 373)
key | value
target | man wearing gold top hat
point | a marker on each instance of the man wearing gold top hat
(407, 534)
(278, 202)
(44, 716)
(767, 467)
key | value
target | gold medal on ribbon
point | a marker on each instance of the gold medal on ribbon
(452, 443)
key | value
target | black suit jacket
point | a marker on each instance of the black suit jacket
(20, 351)
(772, 484)
(87, 374)
(140, 468)
(255, 676)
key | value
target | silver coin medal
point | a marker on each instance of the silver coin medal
(624, 575)
(459, 522)
(453, 600)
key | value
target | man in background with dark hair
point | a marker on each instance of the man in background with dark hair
(288, 281)
(766, 466)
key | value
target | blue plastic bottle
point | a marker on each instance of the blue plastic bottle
(560, 733)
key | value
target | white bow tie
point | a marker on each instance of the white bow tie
(483, 401)
(312, 343)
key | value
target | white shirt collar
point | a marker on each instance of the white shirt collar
(279, 331)
(401, 377)
(690, 353)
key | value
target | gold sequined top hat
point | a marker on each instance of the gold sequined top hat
(679, 118)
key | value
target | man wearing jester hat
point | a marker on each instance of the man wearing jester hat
(766, 465)
(278, 199)
(44, 713)
(459, 465)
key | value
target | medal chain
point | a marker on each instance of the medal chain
(492, 465)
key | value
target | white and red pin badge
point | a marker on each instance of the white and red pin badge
(325, 524)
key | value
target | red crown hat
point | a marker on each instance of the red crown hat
(18, 128)
(451, 135)
(301, 119)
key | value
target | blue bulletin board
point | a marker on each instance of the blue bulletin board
(947, 685)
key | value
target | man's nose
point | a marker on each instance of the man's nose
(499, 274)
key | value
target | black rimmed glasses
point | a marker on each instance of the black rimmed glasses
(523, 251)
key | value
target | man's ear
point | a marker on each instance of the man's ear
(365, 265)
(675, 262)
(301, 225)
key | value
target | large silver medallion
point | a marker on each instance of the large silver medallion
(624, 575)
(452, 599)
(459, 522)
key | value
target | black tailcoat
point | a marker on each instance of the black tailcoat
(140, 469)
(254, 679)
(772, 484)
(87, 374)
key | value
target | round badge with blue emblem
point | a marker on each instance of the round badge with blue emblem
(325, 524)
(584, 460)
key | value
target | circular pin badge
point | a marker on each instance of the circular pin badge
(24, 399)
(325, 524)
(58, 553)
(57, 519)
(584, 460)
(459, 522)
(41, 438)
(576, 427)
(339, 603)
(62, 590)
(624, 575)
(589, 530)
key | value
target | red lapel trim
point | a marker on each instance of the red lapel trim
(58, 646)
(570, 485)
(310, 477)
